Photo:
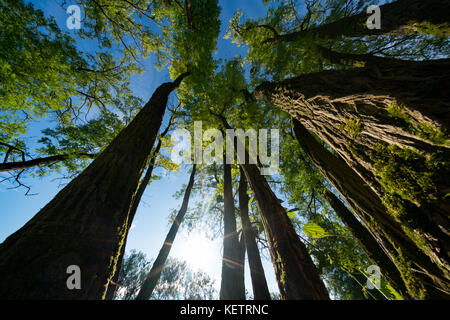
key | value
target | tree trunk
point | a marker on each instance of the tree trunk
(351, 111)
(188, 6)
(355, 60)
(44, 161)
(369, 244)
(369, 208)
(376, 118)
(86, 222)
(112, 288)
(259, 283)
(297, 276)
(232, 285)
(153, 277)
(397, 18)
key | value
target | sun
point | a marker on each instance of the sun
(198, 251)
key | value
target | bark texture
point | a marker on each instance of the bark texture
(297, 276)
(85, 224)
(259, 283)
(352, 111)
(370, 209)
(153, 277)
(397, 18)
(232, 283)
(114, 284)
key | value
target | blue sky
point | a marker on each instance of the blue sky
(151, 222)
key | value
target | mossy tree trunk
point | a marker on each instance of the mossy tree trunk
(386, 122)
(370, 209)
(153, 277)
(85, 224)
(113, 286)
(232, 282)
(368, 243)
(259, 283)
(397, 18)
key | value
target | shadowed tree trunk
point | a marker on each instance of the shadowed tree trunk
(368, 206)
(44, 161)
(188, 6)
(259, 283)
(376, 118)
(86, 222)
(369, 244)
(232, 283)
(397, 18)
(112, 288)
(153, 277)
(355, 60)
(296, 274)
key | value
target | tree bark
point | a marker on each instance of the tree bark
(397, 18)
(153, 277)
(368, 243)
(355, 60)
(232, 283)
(86, 222)
(112, 288)
(44, 161)
(259, 283)
(329, 102)
(297, 276)
(188, 6)
(349, 110)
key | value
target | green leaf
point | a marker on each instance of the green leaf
(315, 231)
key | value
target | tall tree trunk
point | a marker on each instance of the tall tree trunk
(259, 283)
(354, 60)
(357, 112)
(369, 208)
(112, 288)
(369, 244)
(43, 161)
(232, 284)
(189, 9)
(397, 18)
(297, 276)
(153, 277)
(86, 222)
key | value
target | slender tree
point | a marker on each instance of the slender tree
(88, 219)
(297, 276)
(232, 285)
(259, 283)
(369, 244)
(152, 278)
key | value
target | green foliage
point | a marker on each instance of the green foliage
(407, 173)
(313, 230)
(353, 127)
(422, 129)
